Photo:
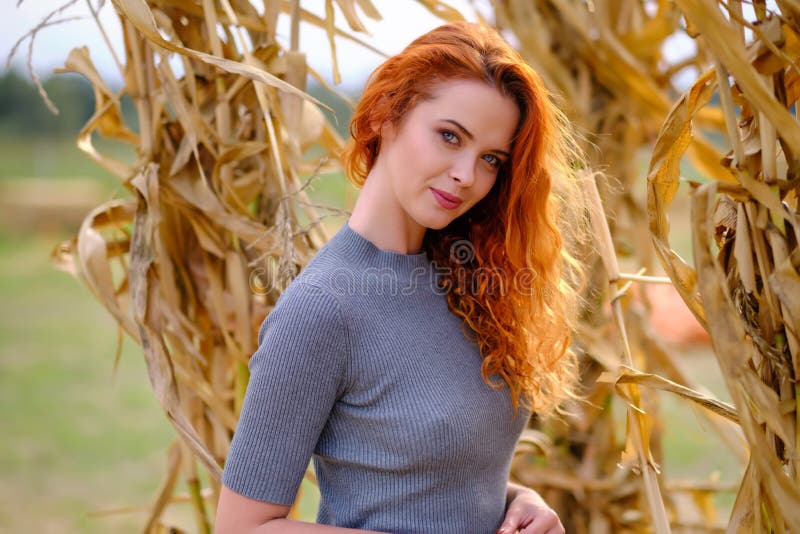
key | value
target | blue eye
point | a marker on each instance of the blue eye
(449, 137)
(492, 160)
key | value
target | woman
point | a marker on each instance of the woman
(406, 358)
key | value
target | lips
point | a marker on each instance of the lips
(446, 200)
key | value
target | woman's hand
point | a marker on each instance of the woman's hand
(529, 514)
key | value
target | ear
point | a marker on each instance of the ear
(380, 110)
(376, 127)
(386, 131)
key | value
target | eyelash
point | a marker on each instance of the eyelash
(496, 163)
(451, 138)
(445, 133)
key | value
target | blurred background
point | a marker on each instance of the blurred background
(82, 438)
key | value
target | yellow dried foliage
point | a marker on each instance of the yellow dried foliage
(218, 189)
(745, 232)
(604, 61)
(220, 219)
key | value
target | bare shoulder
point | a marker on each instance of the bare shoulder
(237, 513)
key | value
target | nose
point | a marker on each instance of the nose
(463, 171)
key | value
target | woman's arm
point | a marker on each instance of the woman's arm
(237, 514)
(296, 375)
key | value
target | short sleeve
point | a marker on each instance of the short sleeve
(296, 375)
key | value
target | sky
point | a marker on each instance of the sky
(52, 45)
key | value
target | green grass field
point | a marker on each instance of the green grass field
(78, 438)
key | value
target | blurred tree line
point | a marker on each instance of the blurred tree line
(24, 114)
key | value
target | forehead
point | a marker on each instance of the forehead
(488, 114)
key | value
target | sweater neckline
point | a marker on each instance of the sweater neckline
(352, 244)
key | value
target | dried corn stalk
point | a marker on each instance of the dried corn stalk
(220, 219)
(745, 279)
(604, 61)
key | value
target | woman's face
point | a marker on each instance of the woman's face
(444, 155)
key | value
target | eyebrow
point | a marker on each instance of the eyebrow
(468, 134)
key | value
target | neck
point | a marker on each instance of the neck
(379, 217)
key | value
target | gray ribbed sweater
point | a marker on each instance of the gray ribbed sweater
(362, 367)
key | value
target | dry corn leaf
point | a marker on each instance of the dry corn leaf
(743, 251)
(632, 376)
(236, 274)
(331, 31)
(167, 489)
(442, 10)
(139, 14)
(348, 8)
(723, 40)
(93, 258)
(146, 314)
(536, 441)
(785, 282)
(637, 448)
(369, 9)
(662, 184)
(107, 118)
(728, 336)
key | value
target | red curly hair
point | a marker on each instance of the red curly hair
(520, 313)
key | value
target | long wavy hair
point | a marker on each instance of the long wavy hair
(510, 278)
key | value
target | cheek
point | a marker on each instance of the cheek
(486, 183)
(411, 152)
(422, 152)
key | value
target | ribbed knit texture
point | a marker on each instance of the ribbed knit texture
(362, 367)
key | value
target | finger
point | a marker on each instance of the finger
(508, 527)
(535, 529)
(543, 523)
(511, 523)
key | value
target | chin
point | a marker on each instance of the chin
(436, 218)
(437, 226)
(437, 222)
